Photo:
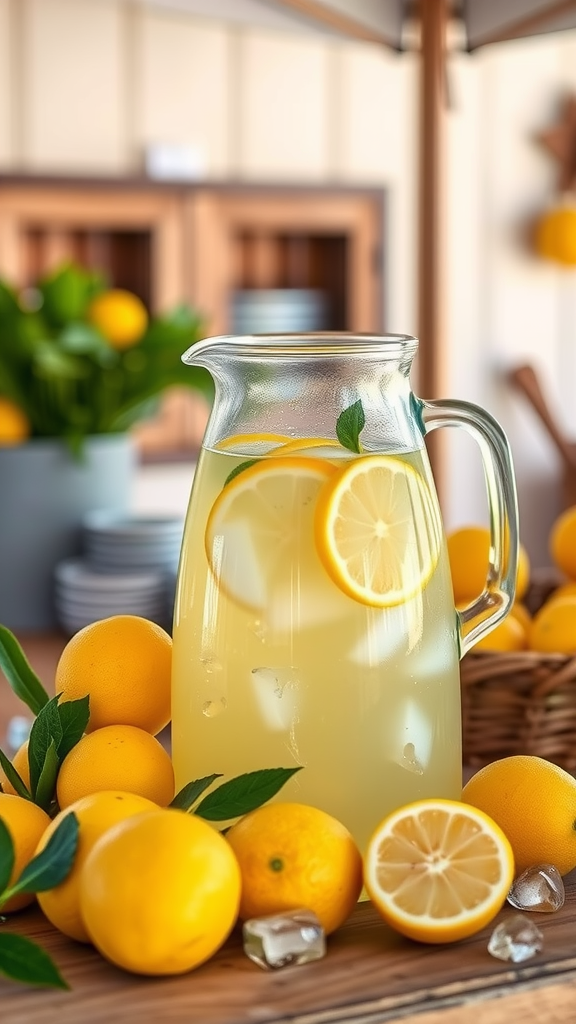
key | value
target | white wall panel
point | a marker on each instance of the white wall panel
(6, 85)
(182, 92)
(74, 95)
(283, 107)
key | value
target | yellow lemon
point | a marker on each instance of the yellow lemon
(124, 664)
(534, 802)
(14, 424)
(159, 892)
(563, 542)
(25, 822)
(116, 757)
(20, 763)
(252, 444)
(377, 530)
(520, 612)
(292, 855)
(437, 870)
(261, 522)
(96, 814)
(305, 444)
(553, 628)
(508, 635)
(468, 554)
(120, 316)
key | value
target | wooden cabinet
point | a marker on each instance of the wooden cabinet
(204, 244)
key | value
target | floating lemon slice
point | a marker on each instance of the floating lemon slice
(438, 870)
(302, 444)
(261, 527)
(377, 530)
(253, 444)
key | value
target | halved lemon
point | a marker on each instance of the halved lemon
(260, 529)
(303, 444)
(378, 530)
(438, 870)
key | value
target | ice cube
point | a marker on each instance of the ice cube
(516, 938)
(293, 937)
(538, 888)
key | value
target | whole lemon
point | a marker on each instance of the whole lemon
(25, 822)
(124, 664)
(508, 635)
(120, 316)
(468, 555)
(14, 424)
(292, 855)
(96, 814)
(553, 628)
(116, 757)
(534, 802)
(563, 542)
(159, 892)
(20, 763)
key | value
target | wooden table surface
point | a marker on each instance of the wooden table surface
(369, 975)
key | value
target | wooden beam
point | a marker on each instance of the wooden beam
(431, 273)
(341, 23)
(529, 25)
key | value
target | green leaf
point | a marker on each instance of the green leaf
(349, 426)
(48, 775)
(46, 728)
(19, 673)
(191, 791)
(7, 856)
(23, 960)
(13, 777)
(74, 717)
(53, 864)
(244, 793)
(240, 469)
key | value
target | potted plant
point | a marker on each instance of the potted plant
(80, 363)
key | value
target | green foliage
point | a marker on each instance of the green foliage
(66, 377)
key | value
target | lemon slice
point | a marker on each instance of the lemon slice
(252, 443)
(302, 444)
(377, 529)
(438, 870)
(260, 528)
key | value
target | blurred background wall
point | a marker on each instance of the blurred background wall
(87, 85)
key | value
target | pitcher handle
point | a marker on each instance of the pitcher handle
(499, 591)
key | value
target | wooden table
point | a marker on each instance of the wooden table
(370, 975)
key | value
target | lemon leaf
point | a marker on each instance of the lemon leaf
(52, 865)
(191, 791)
(46, 728)
(244, 793)
(6, 856)
(48, 776)
(240, 469)
(349, 425)
(22, 679)
(74, 717)
(23, 960)
(13, 777)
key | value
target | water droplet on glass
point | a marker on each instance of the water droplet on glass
(538, 888)
(516, 938)
(211, 708)
(294, 937)
(259, 629)
(410, 761)
(211, 665)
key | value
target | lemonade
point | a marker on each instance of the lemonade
(274, 664)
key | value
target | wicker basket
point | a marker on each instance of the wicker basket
(522, 703)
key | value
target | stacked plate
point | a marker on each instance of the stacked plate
(129, 568)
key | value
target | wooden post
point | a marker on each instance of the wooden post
(431, 270)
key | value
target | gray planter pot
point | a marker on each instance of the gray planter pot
(44, 495)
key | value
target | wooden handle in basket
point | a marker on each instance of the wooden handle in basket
(525, 379)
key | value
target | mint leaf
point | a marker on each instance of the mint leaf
(48, 775)
(191, 791)
(244, 793)
(74, 717)
(46, 728)
(23, 960)
(13, 776)
(240, 469)
(52, 865)
(349, 425)
(19, 673)
(6, 856)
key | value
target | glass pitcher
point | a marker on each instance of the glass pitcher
(314, 618)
